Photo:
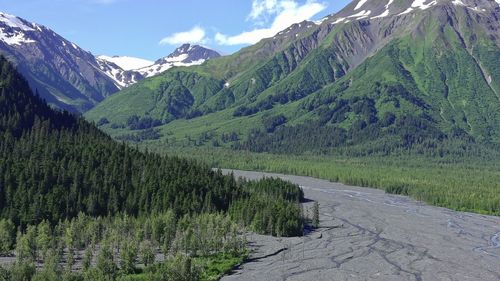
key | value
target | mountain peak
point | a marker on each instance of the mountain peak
(13, 30)
(65, 75)
(185, 55)
(188, 53)
(185, 48)
(15, 22)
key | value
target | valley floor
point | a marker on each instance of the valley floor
(367, 234)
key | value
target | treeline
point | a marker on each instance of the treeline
(377, 134)
(271, 206)
(464, 178)
(66, 187)
(54, 165)
(137, 123)
(54, 176)
(87, 248)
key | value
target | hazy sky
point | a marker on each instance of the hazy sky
(153, 28)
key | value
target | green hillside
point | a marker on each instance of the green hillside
(434, 78)
(70, 193)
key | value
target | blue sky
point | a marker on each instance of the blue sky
(151, 29)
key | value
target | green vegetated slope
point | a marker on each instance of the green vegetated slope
(68, 192)
(465, 183)
(424, 83)
(435, 77)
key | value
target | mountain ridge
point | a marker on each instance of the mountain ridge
(63, 74)
(126, 71)
(69, 77)
(185, 55)
(127, 63)
(307, 73)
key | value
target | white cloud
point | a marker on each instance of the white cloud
(262, 7)
(285, 12)
(196, 35)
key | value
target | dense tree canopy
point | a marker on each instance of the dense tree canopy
(73, 194)
(54, 165)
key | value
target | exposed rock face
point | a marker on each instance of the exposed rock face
(185, 55)
(71, 78)
(65, 75)
(123, 78)
(433, 60)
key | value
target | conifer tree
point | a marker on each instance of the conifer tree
(315, 218)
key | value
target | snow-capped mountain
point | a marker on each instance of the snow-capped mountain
(373, 23)
(127, 63)
(185, 55)
(61, 72)
(126, 71)
(431, 65)
(375, 9)
(71, 78)
(123, 78)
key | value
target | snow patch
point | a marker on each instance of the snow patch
(127, 63)
(114, 72)
(14, 22)
(407, 11)
(178, 58)
(338, 20)
(386, 12)
(360, 15)
(170, 62)
(421, 4)
(383, 15)
(319, 22)
(360, 4)
(476, 9)
(14, 38)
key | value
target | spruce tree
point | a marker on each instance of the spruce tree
(315, 218)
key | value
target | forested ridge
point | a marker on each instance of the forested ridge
(55, 165)
(57, 170)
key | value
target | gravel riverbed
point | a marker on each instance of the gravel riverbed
(367, 234)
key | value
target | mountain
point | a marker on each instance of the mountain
(127, 71)
(122, 78)
(62, 73)
(56, 166)
(42, 151)
(71, 78)
(378, 75)
(185, 55)
(127, 63)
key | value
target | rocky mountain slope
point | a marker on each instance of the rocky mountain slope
(122, 78)
(127, 63)
(377, 71)
(127, 71)
(62, 73)
(71, 78)
(185, 55)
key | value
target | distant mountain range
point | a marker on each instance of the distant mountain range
(380, 72)
(186, 55)
(127, 70)
(71, 78)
